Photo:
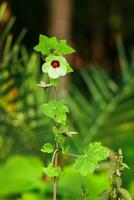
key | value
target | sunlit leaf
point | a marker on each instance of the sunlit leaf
(47, 148)
(56, 109)
(93, 154)
(46, 44)
(52, 171)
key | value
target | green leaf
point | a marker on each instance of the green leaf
(52, 171)
(69, 69)
(19, 174)
(46, 44)
(31, 196)
(70, 182)
(47, 148)
(93, 154)
(126, 72)
(52, 45)
(56, 110)
(3, 7)
(63, 48)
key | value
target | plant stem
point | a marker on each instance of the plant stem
(55, 179)
(55, 160)
(54, 188)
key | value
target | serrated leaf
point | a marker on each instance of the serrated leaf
(93, 154)
(63, 48)
(47, 148)
(52, 171)
(56, 110)
(52, 45)
(46, 44)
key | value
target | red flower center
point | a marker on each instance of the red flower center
(55, 64)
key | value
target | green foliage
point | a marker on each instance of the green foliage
(93, 154)
(31, 196)
(116, 190)
(56, 66)
(69, 184)
(20, 113)
(2, 10)
(131, 188)
(52, 171)
(100, 112)
(46, 44)
(20, 174)
(104, 111)
(56, 110)
(47, 148)
(51, 45)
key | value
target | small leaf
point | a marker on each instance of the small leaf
(63, 48)
(93, 154)
(46, 44)
(125, 194)
(52, 171)
(47, 148)
(125, 166)
(56, 109)
(69, 69)
(65, 149)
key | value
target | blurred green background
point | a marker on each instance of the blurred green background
(100, 92)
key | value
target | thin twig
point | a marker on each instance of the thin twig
(73, 155)
(55, 179)
(44, 85)
(54, 161)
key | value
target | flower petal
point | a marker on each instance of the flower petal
(45, 67)
(62, 70)
(53, 73)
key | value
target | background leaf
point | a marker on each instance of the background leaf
(20, 173)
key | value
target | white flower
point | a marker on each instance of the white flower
(55, 66)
